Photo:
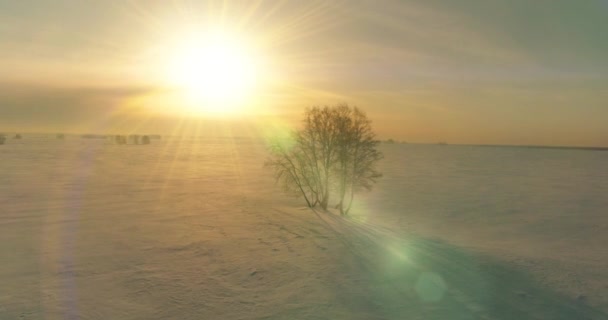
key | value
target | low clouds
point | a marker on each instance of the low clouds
(39, 106)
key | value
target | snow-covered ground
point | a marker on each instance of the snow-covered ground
(196, 229)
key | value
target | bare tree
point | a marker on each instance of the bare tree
(319, 141)
(294, 171)
(336, 147)
(361, 158)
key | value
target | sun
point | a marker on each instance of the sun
(217, 72)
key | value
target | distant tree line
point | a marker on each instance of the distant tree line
(118, 139)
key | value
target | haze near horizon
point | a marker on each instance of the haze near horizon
(480, 72)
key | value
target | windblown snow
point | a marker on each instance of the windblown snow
(197, 229)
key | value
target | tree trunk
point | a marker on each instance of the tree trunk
(325, 200)
(352, 195)
(342, 196)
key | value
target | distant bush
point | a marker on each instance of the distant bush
(134, 138)
(93, 136)
(120, 139)
(336, 149)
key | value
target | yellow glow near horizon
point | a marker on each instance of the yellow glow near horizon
(217, 72)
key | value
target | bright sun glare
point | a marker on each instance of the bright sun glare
(217, 73)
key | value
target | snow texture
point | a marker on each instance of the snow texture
(196, 229)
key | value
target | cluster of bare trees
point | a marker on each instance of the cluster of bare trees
(134, 139)
(3, 138)
(333, 154)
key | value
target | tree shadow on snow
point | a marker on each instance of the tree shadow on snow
(416, 278)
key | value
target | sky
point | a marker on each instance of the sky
(469, 71)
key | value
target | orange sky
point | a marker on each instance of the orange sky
(491, 72)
